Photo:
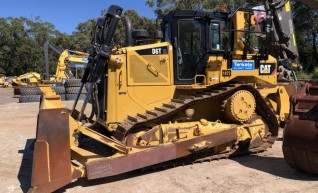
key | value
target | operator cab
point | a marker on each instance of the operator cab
(195, 36)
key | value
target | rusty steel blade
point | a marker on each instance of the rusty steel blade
(52, 158)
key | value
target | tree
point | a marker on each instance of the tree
(22, 42)
(306, 27)
(162, 7)
(137, 22)
(81, 39)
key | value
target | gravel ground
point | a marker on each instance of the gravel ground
(264, 172)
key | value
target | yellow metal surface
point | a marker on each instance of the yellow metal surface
(287, 6)
(278, 98)
(50, 99)
(6, 84)
(145, 82)
(240, 106)
(174, 132)
(241, 20)
(294, 39)
(2, 79)
(217, 71)
(26, 79)
(148, 69)
(257, 130)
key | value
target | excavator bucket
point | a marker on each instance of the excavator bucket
(52, 158)
(300, 144)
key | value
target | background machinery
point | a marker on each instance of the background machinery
(2, 79)
(300, 142)
(284, 47)
(27, 79)
(30, 79)
(63, 82)
(204, 93)
(68, 61)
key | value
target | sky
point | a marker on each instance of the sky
(65, 15)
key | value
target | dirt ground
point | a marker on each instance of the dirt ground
(264, 172)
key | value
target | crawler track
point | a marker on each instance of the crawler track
(166, 111)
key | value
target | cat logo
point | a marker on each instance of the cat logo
(266, 69)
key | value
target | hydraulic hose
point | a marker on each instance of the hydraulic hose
(103, 49)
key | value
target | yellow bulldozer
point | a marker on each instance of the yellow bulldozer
(200, 90)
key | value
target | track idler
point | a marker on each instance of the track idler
(300, 143)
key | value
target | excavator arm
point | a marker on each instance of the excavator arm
(285, 42)
(70, 59)
(48, 44)
(273, 18)
(67, 59)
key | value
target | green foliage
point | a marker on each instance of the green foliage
(81, 39)
(22, 39)
(308, 75)
(22, 42)
(2, 71)
(306, 27)
(162, 7)
(314, 75)
(137, 22)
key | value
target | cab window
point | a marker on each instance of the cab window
(188, 48)
(215, 36)
(219, 36)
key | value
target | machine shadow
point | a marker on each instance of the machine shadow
(276, 166)
(271, 165)
(25, 171)
(83, 182)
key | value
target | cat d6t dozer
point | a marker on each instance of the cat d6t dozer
(300, 145)
(201, 91)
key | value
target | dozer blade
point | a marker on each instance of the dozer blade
(300, 143)
(52, 166)
(52, 158)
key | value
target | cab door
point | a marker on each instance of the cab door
(187, 37)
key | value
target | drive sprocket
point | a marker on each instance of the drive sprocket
(240, 106)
